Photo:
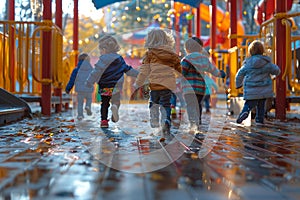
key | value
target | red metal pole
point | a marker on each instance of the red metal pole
(46, 70)
(11, 16)
(198, 22)
(58, 22)
(233, 22)
(281, 104)
(213, 27)
(213, 36)
(190, 28)
(75, 29)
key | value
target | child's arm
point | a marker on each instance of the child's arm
(275, 70)
(214, 70)
(132, 72)
(239, 78)
(71, 81)
(95, 75)
(143, 74)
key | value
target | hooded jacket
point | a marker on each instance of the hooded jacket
(255, 77)
(79, 76)
(193, 67)
(109, 71)
(159, 66)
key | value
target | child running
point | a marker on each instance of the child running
(160, 65)
(109, 74)
(211, 87)
(194, 65)
(78, 77)
(255, 77)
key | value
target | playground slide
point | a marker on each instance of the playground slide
(10, 101)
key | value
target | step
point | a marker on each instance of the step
(8, 115)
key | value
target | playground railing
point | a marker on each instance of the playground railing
(266, 34)
(21, 57)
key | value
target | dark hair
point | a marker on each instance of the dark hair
(256, 48)
(198, 40)
(83, 56)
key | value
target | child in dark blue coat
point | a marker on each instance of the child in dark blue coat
(109, 74)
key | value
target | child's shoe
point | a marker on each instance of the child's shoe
(88, 111)
(242, 117)
(104, 124)
(80, 117)
(115, 113)
(259, 123)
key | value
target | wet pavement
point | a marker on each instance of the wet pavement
(62, 158)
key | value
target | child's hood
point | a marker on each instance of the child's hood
(162, 54)
(195, 58)
(257, 61)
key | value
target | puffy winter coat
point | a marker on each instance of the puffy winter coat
(109, 71)
(159, 66)
(79, 76)
(255, 77)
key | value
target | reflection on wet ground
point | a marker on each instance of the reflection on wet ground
(61, 158)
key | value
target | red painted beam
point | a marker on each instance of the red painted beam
(198, 22)
(58, 22)
(213, 26)
(75, 29)
(233, 22)
(280, 107)
(46, 57)
(11, 16)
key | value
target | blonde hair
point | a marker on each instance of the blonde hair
(109, 44)
(256, 48)
(83, 56)
(159, 38)
(191, 45)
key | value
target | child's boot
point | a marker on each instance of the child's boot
(115, 113)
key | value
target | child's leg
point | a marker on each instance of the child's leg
(192, 107)
(206, 101)
(260, 111)
(89, 100)
(88, 103)
(104, 106)
(115, 100)
(199, 99)
(165, 97)
(154, 108)
(249, 104)
(80, 99)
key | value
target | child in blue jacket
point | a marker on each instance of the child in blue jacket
(109, 74)
(255, 77)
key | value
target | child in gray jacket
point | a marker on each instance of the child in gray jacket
(78, 78)
(255, 77)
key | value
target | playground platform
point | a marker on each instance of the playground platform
(59, 157)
